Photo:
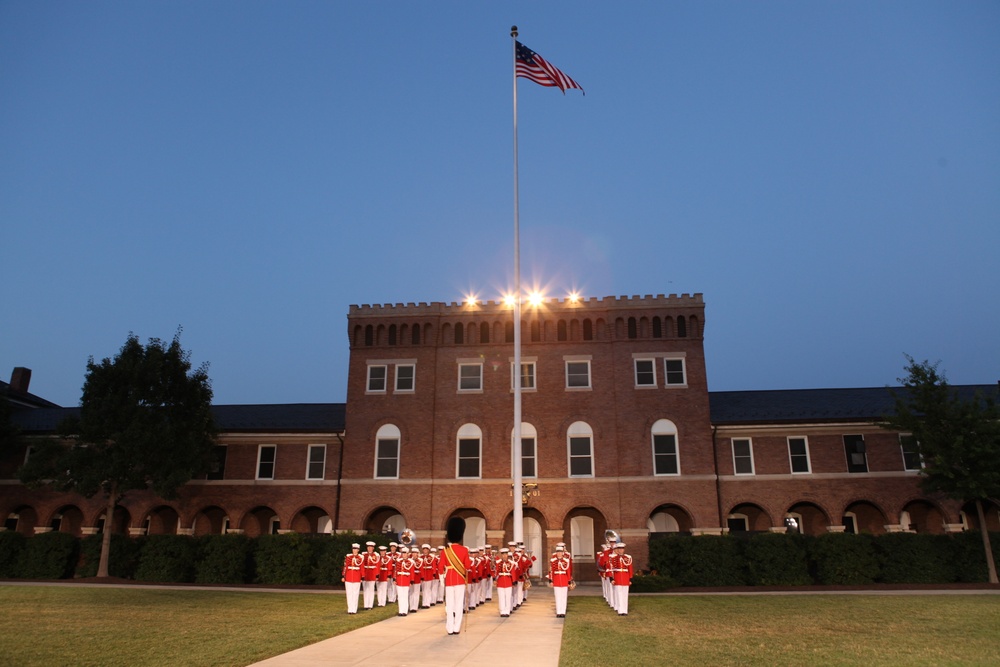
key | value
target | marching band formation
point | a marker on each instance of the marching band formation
(416, 578)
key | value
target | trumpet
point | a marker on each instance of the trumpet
(611, 537)
(407, 537)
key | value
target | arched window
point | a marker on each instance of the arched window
(459, 333)
(416, 334)
(632, 331)
(387, 452)
(561, 330)
(681, 327)
(666, 460)
(580, 449)
(529, 452)
(369, 335)
(536, 332)
(470, 438)
(657, 328)
(392, 334)
(588, 330)
(484, 332)
(508, 329)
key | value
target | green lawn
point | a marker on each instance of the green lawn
(769, 630)
(139, 627)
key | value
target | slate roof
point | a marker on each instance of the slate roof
(813, 405)
(264, 418)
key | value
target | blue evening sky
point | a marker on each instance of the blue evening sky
(827, 174)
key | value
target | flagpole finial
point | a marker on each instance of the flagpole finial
(513, 31)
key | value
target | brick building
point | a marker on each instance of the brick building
(619, 431)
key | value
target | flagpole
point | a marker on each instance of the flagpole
(517, 489)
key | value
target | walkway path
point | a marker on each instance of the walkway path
(530, 636)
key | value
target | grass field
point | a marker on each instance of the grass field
(769, 630)
(150, 628)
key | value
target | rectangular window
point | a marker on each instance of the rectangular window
(673, 372)
(665, 454)
(468, 457)
(528, 458)
(404, 377)
(217, 466)
(387, 458)
(645, 373)
(911, 455)
(376, 379)
(742, 456)
(265, 461)
(317, 462)
(737, 523)
(581, 461)
(798, 455)
(470, 377)
(854, 447)
(578, 375)
(527, 375)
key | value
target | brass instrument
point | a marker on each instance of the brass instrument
(407, 537)
(611, 537)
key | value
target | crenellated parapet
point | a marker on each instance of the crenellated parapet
(547, 320)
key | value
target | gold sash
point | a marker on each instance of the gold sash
(455, 563)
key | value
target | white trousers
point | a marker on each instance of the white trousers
(561, 593)
(503, 600)
(414, 595)
(454, 603)
(440, 588)
(382, 591)
(391, 595)
(368, 587)
(621, 599)
(403, 595)
(352, 588)
(426, 591)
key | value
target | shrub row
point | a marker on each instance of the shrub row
(209, 559)
(774, 559)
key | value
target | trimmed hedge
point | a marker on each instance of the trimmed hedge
(122, 561)
(48, 556)
(764, 559)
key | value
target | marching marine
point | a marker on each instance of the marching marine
(351, 576)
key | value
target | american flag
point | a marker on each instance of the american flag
(532, 66)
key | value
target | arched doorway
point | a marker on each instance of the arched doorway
(810, 518)
(669, 519)
(748, 517)
(864, 517)
(210, 521)
(312, 521)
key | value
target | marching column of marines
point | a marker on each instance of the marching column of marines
(463, 578)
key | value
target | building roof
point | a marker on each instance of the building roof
(24, 399)
(264, 418)
(814, 405)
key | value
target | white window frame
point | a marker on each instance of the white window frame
(387, 433)
(579, 430)
(635, 372)
(666, 375)
(665, 427)
(370, 379)
(528, 432)
(576, 360)
(413, 378)
(738, 517)
(864, 454)
(903, 452)
(791, 466)
(469, 432)
(854, 522)
(274, 460)
(532, 367)
(749, 441)
(470, 364)
(309, 462)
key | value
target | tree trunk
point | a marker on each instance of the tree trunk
(109, 516)
(990, 565)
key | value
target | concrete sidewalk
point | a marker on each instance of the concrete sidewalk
(530, 636)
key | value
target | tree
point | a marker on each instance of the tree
(958, 439)
(145, 423)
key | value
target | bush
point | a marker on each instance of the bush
(48, 556)
(652, 583)
(122, 561)
(283, 559)
(223, 559)
(167, 558)
(705, 560)
(777, 559)
(910, 558)
(11, 546)
(843, 559)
